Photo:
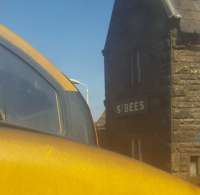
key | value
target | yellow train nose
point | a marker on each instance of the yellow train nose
(32, 163)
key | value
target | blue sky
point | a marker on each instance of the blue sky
(70, 33)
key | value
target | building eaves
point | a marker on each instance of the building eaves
(187, 11)
(170, 9)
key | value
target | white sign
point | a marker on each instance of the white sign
(134, 106)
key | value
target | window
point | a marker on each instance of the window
(28, 99)
(136, 70)
(81, 126)
(194, 166)
(136, 149)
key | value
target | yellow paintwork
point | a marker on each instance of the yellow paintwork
(36, 164)
(15, 40)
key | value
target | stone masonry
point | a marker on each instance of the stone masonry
(185, 108)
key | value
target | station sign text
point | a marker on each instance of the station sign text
(130, 107)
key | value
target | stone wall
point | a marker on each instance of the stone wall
(185, 108)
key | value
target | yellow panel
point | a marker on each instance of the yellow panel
(36, 164)
(37, 57)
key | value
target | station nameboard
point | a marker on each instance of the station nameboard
(129, 107)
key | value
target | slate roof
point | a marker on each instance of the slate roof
(188, 11)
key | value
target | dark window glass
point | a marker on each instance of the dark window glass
(135, 68)
(136, 149)
(28, 99)
(81, 128)
(194, 166)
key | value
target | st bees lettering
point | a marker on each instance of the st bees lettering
(130, 107)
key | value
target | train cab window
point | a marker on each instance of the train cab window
(81, 125)
(28, 99)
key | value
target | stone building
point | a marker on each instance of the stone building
(152, 83)
(100, 126)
